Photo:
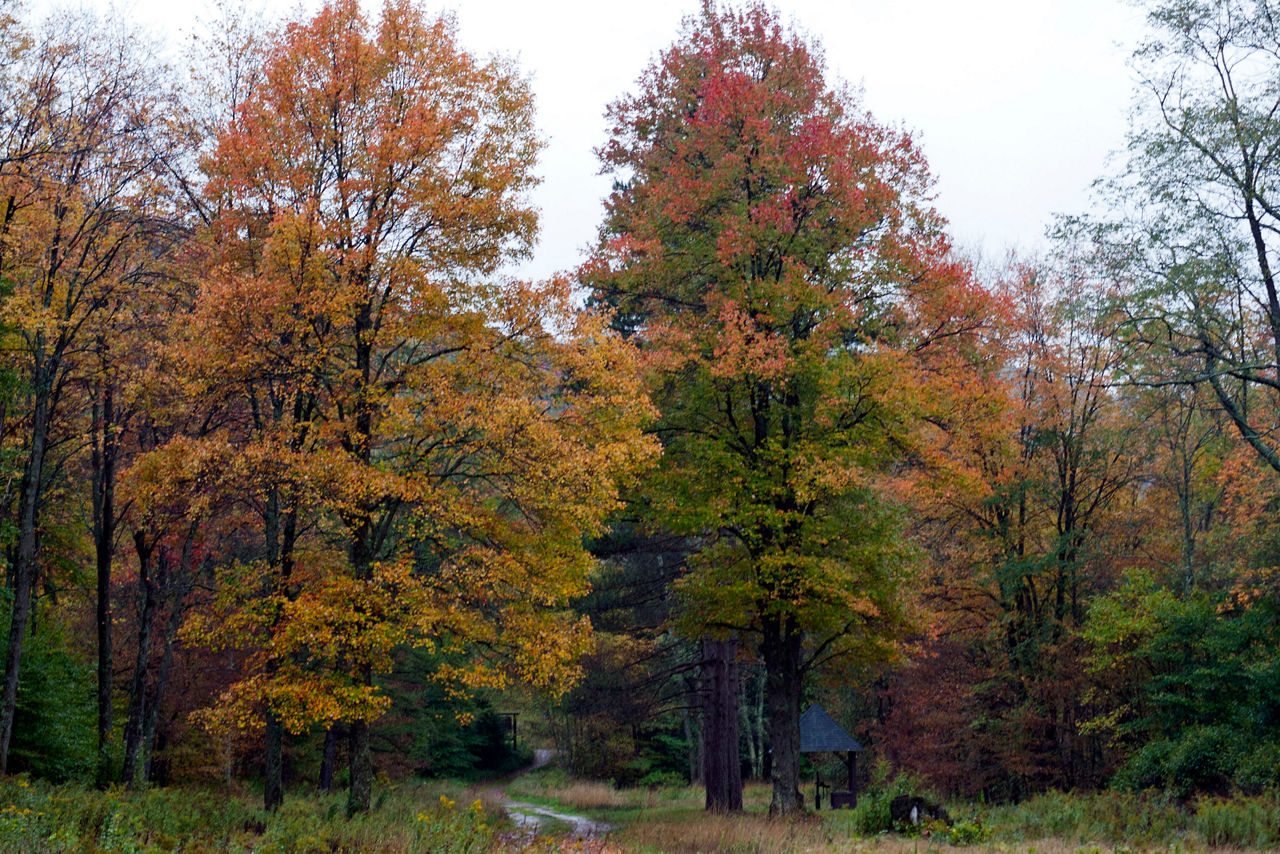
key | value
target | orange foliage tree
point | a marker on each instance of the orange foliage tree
(425, 442)
(1029, 509)
(85, 223)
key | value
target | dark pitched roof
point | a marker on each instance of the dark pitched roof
(820, 734)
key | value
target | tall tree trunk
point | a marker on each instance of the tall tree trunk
(694, 732)
(152, 719)
(758, 726)
(104, 533)
(24, 573)
(361, 550)
(752, 758)
(273, 763)
(780, 647)
(281, 538)
(133, 725)
(329, 757)
(751, 722)
(360, 794)
(693, 754)
(722, 764)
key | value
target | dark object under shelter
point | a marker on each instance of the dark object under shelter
(819, 733)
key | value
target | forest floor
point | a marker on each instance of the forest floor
(444, 817)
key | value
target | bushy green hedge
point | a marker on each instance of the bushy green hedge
(1213, 759)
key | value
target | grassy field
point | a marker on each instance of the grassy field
(449, 817)
(672, 820)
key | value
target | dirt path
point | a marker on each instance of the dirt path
(532, 817)
(585, 834)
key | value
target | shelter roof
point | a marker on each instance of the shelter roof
(819, 733)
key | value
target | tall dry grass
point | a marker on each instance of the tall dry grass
(557, 787)
(672, 820)
(756, 834)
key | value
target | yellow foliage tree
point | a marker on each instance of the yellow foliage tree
(427, 441)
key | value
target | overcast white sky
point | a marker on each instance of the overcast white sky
(1016, 103)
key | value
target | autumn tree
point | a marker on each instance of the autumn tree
(1023, 515)
(445, 435)
(1195, 213)
(82, 224)
(772, 250)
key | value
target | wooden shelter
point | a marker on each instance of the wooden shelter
(819, 733)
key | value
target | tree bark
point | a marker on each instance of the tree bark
(329, 758)
(137, 686)
(362, 549)
(360, 793)
(281, 536)
(273, 763)
(780, 648)
(104, 533)
(24, 573)
(694, 731)
(151, 721)
(721, 760)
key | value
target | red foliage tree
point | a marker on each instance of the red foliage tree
(773, 249)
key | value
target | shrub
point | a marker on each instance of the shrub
(1239, 822)
(971, 831)
(1199, 759)
(71, 818)
(1115, 817)
(871, 815)
(448, 830)
(55, 725)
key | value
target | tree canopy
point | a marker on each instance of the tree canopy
(771, 249)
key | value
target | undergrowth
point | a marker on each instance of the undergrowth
(672, 820)
(1142, 819)
(37, 817)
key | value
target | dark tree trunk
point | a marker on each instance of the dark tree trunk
(755, 728)
(361, 550)
(133, 727)
(780, 647)
(104, 533)
(24, 572)
(273, 761)
(329, 758)
(694, 732)
(279, 545)
(152, 719)
(360, 759)
(721, 761)
(360, 795)
(691, 739)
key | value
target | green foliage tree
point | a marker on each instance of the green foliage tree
(1186, 685)
(1199, 206)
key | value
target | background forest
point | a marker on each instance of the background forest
(300, 485)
